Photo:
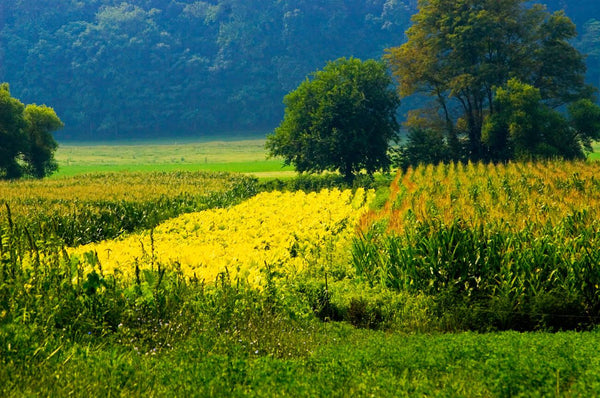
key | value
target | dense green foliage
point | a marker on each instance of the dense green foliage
(492, 278)
(170, 67)
(494, 72)
(524, 127)
(496, 247)
(343, 119)
(11, 130)
(26, 142)
(41, 122)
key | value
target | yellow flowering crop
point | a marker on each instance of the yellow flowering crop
(286, 231)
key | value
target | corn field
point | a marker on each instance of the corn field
(486, 247)
(94, 207)
(499, 246)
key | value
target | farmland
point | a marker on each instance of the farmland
(209, 283)
(244, 155)
(517, 242)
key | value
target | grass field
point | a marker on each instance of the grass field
(596, 154)
(244, 155)
(240, 156)
(342, 362)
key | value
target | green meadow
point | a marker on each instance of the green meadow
(245, 155)
(595, 155)
(341, 362)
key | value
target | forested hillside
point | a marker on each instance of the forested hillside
(114, 69)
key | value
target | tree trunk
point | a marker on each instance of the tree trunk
(348, 174)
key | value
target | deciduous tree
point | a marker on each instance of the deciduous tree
(40, 146)
(460, 51)
(341, 119)
(26, 142)
(12, 139)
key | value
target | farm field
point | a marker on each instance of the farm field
(501, 246)
(342, 362)
(214, 284)
(97, 206)
(246, 155)
(595, 155)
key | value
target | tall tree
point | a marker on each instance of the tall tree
(41, 122)
(26, 142)
(459, 51)
(343, 119)
(12, 139)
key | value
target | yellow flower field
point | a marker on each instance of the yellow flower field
(286, 231)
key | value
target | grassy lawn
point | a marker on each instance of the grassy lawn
(243, 156)
(596, 154)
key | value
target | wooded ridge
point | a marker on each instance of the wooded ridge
(113, 69)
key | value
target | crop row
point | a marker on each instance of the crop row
(94, 207)
(287, 232)
(498, 246)
(517, 195)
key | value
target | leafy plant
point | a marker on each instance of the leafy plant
(491, 245)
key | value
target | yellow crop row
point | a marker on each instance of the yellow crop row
(516, 195)
(288, 232)
(94, 207)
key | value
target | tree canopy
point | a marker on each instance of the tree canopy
(482, 61)
(523, 126)
(26, 142)
(122, 68)
(117, 69)
(342, 119)
(12, 124)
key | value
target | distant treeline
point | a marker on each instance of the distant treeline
(115, 69)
